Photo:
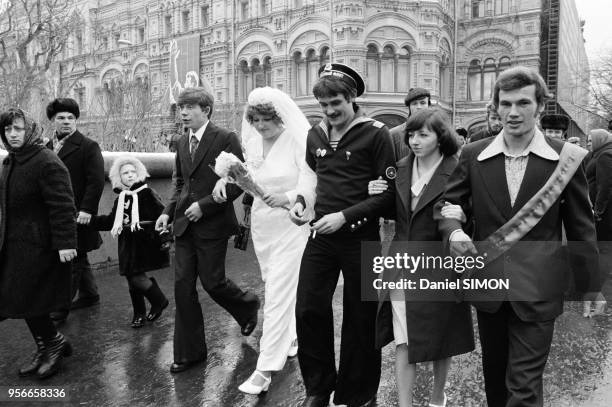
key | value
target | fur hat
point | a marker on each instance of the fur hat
(115, 171)
(63, 105)
(416, 93)
(555, 121)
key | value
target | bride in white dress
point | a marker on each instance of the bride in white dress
(274, 134)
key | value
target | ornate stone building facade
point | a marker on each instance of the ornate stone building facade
(453, 48)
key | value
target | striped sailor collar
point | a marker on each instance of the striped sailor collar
(537, 146)
(359, 117)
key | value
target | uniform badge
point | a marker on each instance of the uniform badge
(323, 152)
(348, 155)
(391, 172)
(318, 152)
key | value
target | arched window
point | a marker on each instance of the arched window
(474, 81)
(324, 57)
(501, 6)
(312, 69)
(299, 69)
(267, 70)
(489, 73)
(258, 77)
(243, 80)
(387, 70)
(403, 70)
(481, 78)
(372, 69)
(478, 8)
(504, 63)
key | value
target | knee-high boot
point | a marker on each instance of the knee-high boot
(140, 308)
(158, 301)
(36, 361)
(56, 349)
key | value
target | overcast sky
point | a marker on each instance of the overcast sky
(597, 30)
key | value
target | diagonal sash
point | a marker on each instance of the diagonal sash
(534, 210)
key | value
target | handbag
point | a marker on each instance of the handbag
(241, 239)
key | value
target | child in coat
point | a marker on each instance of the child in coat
(141, 249)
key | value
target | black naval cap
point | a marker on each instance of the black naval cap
(416, 93)
(555, 121)
(345, 73)
(63, 105)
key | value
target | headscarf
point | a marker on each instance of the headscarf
(600, 137)
(32, 141)
(33, 132)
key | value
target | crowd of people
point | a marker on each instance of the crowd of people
(326, 188)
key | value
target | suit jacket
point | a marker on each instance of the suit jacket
(194, 182)
(398, 138)
(83, 158)
(430, 323)
(537, 271)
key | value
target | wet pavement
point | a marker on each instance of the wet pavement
(115, 365)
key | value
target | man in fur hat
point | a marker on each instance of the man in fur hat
(555, 125)
(83, 158)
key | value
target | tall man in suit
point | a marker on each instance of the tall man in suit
(202, 228)
(522, 186)
(83, 158)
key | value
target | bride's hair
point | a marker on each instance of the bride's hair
(265, 110)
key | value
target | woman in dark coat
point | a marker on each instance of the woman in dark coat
(423, 330)
(37, 238)
(598, 171)
(132, 221)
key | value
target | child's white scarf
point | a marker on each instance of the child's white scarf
(118, 224)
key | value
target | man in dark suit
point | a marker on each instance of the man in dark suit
(83, 158)
(202, 228)
(507, 183)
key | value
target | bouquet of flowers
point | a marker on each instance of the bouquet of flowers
(231, 169)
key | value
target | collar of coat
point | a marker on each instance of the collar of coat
(537, 146)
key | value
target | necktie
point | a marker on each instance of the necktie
(193, 146)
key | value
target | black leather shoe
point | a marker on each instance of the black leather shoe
(158, 301)
(181, 367)
(250, 325)
(315, 401)
(85, 302)
(34, 364)
(57, 349)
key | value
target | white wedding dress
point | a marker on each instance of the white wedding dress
(278, 243)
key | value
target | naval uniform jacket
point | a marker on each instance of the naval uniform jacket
(363, 154)
(538, 269)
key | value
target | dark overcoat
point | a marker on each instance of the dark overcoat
(83, 158)
(139, 251)
(38, 220)
(436, 329)
(598, 171)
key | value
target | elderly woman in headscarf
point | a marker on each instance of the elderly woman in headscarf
(598, 171)
(37, 239)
